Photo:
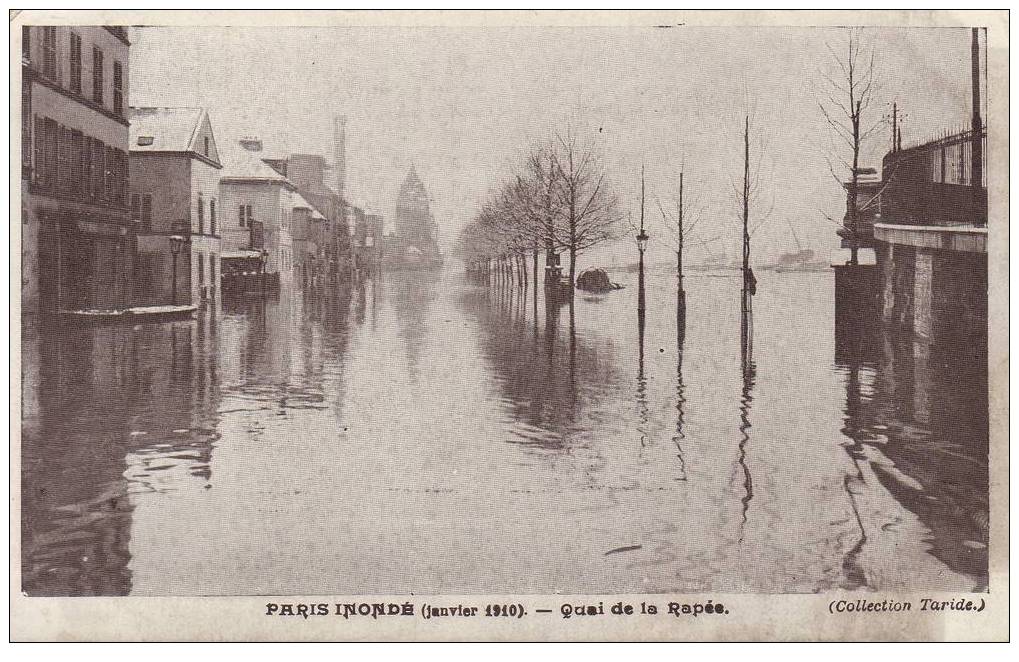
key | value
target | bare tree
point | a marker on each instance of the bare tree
(845, 93)
(680, 221)
(588, 206)
(753, 200)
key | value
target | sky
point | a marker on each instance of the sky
(464, 105)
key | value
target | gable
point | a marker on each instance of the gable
(203, 132)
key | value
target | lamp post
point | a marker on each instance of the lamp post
(642, 238)
(263, 256)
(176, 243)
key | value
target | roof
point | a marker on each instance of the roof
(242, 164)
(301, 201)
(167, 130)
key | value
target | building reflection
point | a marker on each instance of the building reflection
(412, 294)
(916, 412)
(119, 411)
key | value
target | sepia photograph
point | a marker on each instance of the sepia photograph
(322, 307)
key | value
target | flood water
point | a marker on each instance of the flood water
(423, 434)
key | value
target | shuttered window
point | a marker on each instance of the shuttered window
(97, 75)
(75, 57)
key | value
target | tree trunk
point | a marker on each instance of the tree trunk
(535, 274)
(853, 187)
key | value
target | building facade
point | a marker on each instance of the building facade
(310, 234)
(258, 204)
(307, 172)
(174, 196)
(77, 237)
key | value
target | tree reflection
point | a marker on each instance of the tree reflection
(680, 385)
(749, 372)
(544, 374)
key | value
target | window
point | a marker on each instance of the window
(87, 167)
(75, 162)
(201, 214)
(136, 207)
(212, 218)
(26, 44)
(110, 175)
(212, 272)
(240, 215)
(50, 152)
(75, 63)
(205, 147)
(39, 172)
(201, 270)
(124, 176)
(98, 169)
(118, 88)
(97, 75)
(147, 212)
(49, 52)
(26, 128)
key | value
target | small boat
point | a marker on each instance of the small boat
(134, 315)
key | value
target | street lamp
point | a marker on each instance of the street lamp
(263, 257)
(176, 243)
(642, 241)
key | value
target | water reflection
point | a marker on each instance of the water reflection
(749, 370)
(305, 443)
(642, 396)
(412, 295)
(113, 419)
(541, 379)
(916, 418)
(680, 386)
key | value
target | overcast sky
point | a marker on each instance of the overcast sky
(464, 103)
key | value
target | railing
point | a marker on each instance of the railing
(932, 183)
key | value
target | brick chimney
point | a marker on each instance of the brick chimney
(251, 143)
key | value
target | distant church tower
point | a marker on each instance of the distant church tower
(415, 225)
(340, 155)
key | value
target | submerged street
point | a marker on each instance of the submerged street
(355, 443)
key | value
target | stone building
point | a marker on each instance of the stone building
(174, 192)
(307, 172)
(77, 237)
(310, 234)
(258, 204)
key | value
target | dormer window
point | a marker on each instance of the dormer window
(145, 141)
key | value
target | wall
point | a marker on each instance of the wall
(272, 204)
(105, 224)
(166, 177)
(935, 293)
(206, 241)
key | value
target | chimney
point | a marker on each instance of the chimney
(251, 143)
(340, 147)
